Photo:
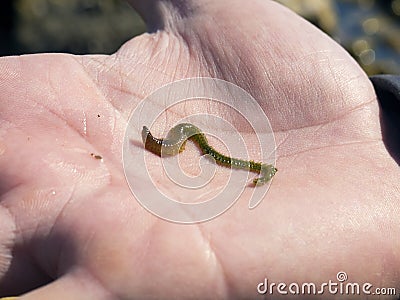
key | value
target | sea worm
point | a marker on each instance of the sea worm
(175, 142)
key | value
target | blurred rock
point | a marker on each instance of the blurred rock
(6, 26)
(368, 29)
(76, 26)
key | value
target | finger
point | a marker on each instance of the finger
(76, 285)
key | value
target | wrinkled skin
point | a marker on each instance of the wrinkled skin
(71, 229)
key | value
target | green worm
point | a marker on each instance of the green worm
(175, 142)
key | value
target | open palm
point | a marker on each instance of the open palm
(69, 223)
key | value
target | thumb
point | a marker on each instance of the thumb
(161, 14)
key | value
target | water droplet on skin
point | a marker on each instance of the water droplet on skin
(84, 124)
(2, 147)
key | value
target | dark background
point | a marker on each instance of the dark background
(368, 29)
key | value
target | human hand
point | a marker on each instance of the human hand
(68, 217)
